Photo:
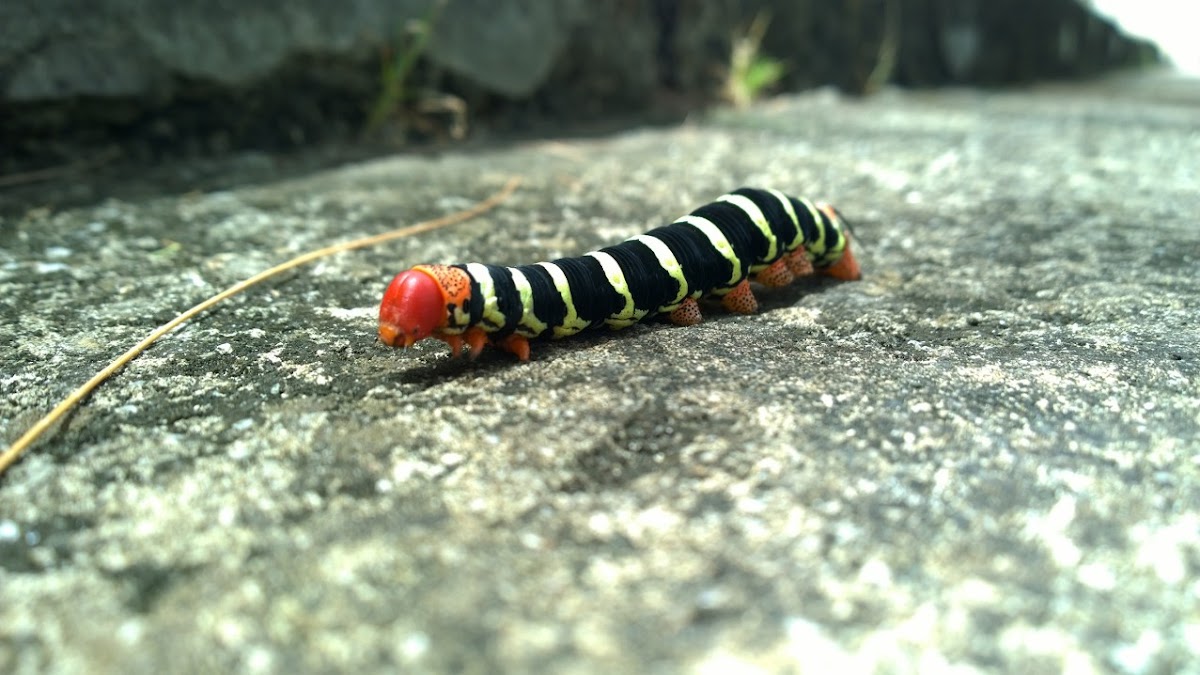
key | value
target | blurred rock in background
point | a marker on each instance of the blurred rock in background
(192, 77)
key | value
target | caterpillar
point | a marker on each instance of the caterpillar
(713, 251)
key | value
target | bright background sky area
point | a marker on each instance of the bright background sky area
(1173, 24)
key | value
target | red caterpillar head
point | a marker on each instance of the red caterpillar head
(417, 304)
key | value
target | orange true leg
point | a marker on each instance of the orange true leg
(455, 342)
(475, 337)
(515, 344)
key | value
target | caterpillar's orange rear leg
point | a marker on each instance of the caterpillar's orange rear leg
(798, 263)
(741, 299)
(777, 275)
(687, 314)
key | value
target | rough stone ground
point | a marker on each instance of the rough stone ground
(982, 457)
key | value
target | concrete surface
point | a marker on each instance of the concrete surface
(982, 457)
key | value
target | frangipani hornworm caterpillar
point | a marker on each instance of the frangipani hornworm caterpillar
(716, 250)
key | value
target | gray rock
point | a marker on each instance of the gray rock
(142, 49)
(508, 47)
(193, 76)
(981, 456)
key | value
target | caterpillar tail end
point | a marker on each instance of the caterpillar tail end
(846, 268)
